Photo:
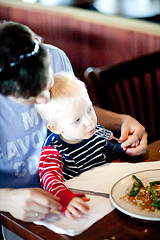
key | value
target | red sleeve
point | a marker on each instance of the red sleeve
(51, 176)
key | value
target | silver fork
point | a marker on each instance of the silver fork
(107, 134)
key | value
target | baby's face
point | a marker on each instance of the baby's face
(79, 121)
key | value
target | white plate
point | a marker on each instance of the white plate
(122, 187)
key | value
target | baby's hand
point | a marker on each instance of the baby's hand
(76, 207)
(133, 145)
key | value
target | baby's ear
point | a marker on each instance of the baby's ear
(53, 128)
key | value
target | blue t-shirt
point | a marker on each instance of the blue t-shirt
(22, 133)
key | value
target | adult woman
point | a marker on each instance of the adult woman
(26, 68)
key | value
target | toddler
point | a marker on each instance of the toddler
(76, 143)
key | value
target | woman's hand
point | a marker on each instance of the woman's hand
(28, 204)
(76, 207)
(134, 137)
(127, 125)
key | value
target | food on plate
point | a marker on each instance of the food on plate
(144, 197)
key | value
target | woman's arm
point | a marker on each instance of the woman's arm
(126, 125)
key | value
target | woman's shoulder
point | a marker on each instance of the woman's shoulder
(59, 59)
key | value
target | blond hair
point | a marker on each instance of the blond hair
(65, 91)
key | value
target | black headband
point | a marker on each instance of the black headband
(4, 71)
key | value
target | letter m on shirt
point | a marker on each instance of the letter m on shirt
(30, 120)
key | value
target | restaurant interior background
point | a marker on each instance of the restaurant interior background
(141, 9)
(92, 33)
(110, 34)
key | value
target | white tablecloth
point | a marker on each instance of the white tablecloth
(98, 179)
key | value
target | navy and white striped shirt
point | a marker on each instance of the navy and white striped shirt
(61, 161)
(80, 157)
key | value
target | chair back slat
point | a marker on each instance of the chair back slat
(130, 88)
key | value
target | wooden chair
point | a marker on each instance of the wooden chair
(132, 88)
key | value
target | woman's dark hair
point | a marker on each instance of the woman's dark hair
(28, 77)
